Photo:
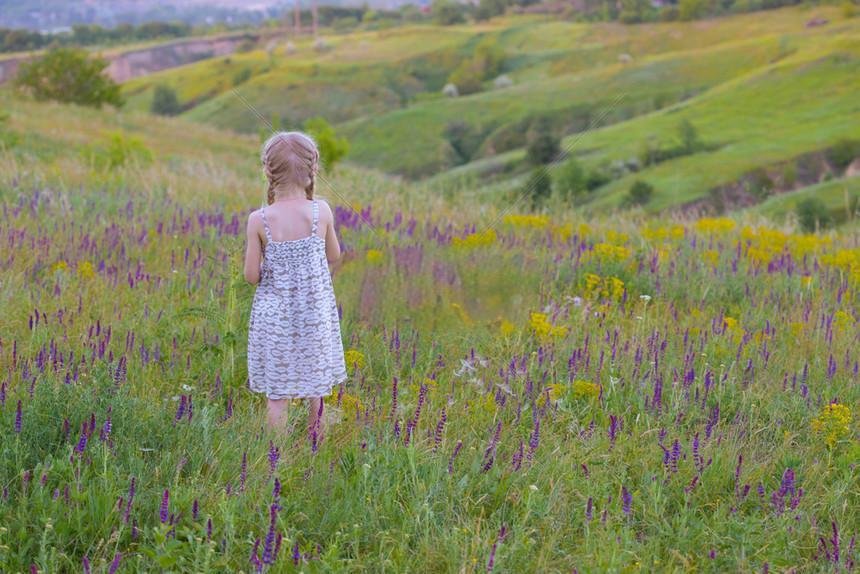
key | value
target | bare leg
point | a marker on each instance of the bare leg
(315, 418)
(277, 413)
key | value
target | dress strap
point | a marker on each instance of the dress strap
(266, 225)
(315, 218)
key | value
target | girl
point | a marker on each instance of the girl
(294, 342)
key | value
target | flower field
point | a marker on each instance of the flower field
(527, 394)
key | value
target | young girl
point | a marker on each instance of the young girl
(294, 342)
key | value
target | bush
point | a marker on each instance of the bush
(639, 193)
(760, 184)
(812, 214)
(595, 179)
(464, 140)
(539, 186)
(448, 12)
(121, 150)
(69, 75)
(165, 102)
(689, 136)
(485, 64)
(242, 76)
(543, 146)
(843, 153)
(332, 148)
(571, 182)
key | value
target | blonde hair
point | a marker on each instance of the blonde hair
(290, 157)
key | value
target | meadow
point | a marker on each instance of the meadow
(527, 393)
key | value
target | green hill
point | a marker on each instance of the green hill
(760, 88)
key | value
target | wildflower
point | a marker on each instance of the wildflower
(165, 501)
(354, 360)
(453, 456)
(585, 389)
(506, 328)
(374, 256)
(473, 240)
(86, 270)
(527, 221)
(834, 423)
(18, 417)
(626, 500)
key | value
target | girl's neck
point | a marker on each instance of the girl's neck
(289, 193)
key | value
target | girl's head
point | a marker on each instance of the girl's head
(290, 158)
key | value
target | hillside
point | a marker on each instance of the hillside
(740, 80)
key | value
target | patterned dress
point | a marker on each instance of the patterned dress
(294, 342)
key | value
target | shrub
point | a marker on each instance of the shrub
(689, 136)
(595, 179)
(639, 193)
(539, 186)
(843, 153)
(759, 183)
(242, 76)
(485, 64)
(464, 140)
(121, 150)
(165, 102)
(69, 75)
(332, 148)
(448, 12)
(812, 214)
(543, 146)
(571, 182)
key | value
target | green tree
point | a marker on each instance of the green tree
(635, 11)
(543, 146)
(571, 181)
(812, 214)
(539, 186)
(164, 101)
(639, 193)
(689, 136)
(69, 75)
(448, 12)
(332, 148)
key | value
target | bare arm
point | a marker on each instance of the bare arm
(332, 246)
(253, 249)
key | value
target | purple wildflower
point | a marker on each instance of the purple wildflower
(165, 501)
(115, 564)
(243, 471)
(626, 500)
(18, 417)
(86, 565)
(457, 448)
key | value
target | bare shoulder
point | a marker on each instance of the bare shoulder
(325, 210)
(255, 219)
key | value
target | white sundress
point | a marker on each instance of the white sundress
(294, 341)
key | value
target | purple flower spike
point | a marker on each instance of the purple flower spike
(165, 501)
(86, 565)
(626, 500)
(117, 558)
(18, 417)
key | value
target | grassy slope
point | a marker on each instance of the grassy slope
(740, 80)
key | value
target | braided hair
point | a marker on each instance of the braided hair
(290, 157)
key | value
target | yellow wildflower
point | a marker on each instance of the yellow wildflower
(59, 266)
(532, 221)
(506, 328)
(86, 270)
(834, 422)
(480, 239)
(714, 225)
(354, 359)
(374, 256)
(585, 389)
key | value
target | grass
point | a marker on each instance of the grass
(659, 373)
